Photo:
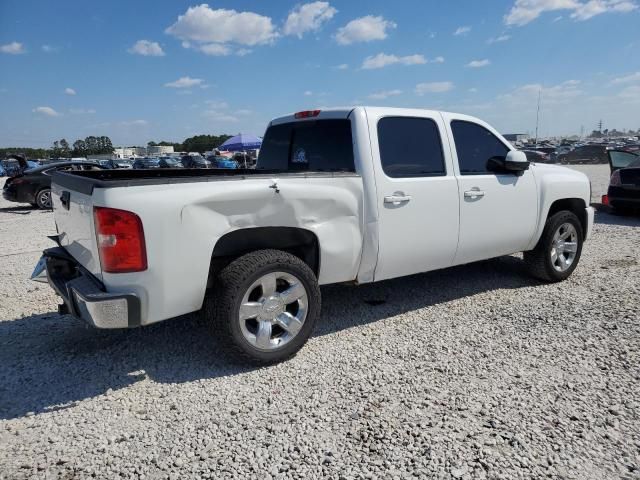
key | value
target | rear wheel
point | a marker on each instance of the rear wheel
(558, 251)
(43, 199)
(264, 305)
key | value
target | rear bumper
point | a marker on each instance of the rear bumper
(590, 211)
(85, 296)
(9, 195)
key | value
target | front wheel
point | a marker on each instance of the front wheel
(264, 305)
(43, 199)
(558, 251)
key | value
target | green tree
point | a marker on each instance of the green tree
(65, 151)
(79, 148)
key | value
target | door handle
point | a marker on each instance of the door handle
(396, 199)
(473, 194)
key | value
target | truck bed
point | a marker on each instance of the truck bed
(85, 181)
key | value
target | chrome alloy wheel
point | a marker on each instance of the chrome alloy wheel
(44, 198)
(564, 247)
(273, 310)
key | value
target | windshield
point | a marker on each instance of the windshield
(623, 159)
(321, 145)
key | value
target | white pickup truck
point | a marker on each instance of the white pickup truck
(344, 195)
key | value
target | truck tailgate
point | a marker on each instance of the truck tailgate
(73, 214)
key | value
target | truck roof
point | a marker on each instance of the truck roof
(344, 112)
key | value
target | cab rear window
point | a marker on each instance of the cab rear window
(320, 145)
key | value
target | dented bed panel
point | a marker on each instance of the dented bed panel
(195, 216)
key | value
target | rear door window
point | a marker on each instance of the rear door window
(475, 145)
(410, 147)
(321, 145)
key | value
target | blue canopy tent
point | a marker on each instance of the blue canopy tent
(241, 142)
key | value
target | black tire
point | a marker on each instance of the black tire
(41, 199)
(539, 261)
(222, 303)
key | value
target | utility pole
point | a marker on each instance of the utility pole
(538, 116)
(600, 126)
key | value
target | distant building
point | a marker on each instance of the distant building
(516, 137)
(160, 149)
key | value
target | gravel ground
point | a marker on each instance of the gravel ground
(472, 372)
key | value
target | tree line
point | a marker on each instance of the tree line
(93, 145)
(197, 143)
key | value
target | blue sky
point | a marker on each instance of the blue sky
(148, 70)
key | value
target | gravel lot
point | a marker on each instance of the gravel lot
(472, 372)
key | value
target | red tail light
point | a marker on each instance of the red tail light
(307, 114)
(120, 240)
(615, 179)
(605, 200)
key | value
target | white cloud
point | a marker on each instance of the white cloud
(364, 29)
(13, 48)
(49, 49)
(632, 78)
(438, 60)
(525, 11)
(308, 93)
(203, 25)
(134, 123)
(433, 87)
(462, 30)
(382, 60)
(215, 49)
(219, 116)
(48, 111)
(342, 66)
(478, 63)
(502, 38)
(146, 48)
(473, 90)
(69, 91)
(527, 95)
(308, 18)
(385, 94)
(217, 104)
(81, 111)
(185, 82)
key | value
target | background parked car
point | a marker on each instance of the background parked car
(145, 163)
(195, 161)
(219, 161)
(592, 153)
(169, 162)
(623, 195)
(536, 156)
(117, 163)
(34, 185)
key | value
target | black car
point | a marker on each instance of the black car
(623, 194)
(195, 161)
(145, 163)
(585, 154)
(34, 185)
(169, 162)
(536, 156)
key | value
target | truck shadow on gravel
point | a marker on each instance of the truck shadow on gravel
(50, 362)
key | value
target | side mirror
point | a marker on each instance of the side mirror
(516, 161)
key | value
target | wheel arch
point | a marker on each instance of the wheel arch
(300, 242)
(575, 205)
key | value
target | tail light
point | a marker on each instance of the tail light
(615, 180)
(307, 114)
(605, 200)
(120, 240)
